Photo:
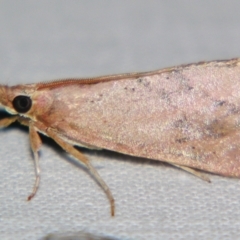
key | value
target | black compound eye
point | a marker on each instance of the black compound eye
(22, 103)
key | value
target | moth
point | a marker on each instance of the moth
(187, 116)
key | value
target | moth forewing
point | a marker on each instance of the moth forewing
(187, 116)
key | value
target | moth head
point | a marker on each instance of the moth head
(15, 100)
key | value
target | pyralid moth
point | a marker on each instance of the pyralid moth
(188, 116)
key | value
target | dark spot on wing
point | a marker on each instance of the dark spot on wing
(181, 140)
(143, 81)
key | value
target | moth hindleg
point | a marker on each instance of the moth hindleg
(193, 171)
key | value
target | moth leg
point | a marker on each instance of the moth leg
(79, 156)
(194, 172)
(35, 142)
(5, 122)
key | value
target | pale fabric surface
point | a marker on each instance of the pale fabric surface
(58, 39)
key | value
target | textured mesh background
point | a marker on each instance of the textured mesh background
(56, 39)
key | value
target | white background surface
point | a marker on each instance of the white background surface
(45, 40)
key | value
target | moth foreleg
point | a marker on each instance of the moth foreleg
(5, 122)
(35, 142)
(193, 171)
(79, 156)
